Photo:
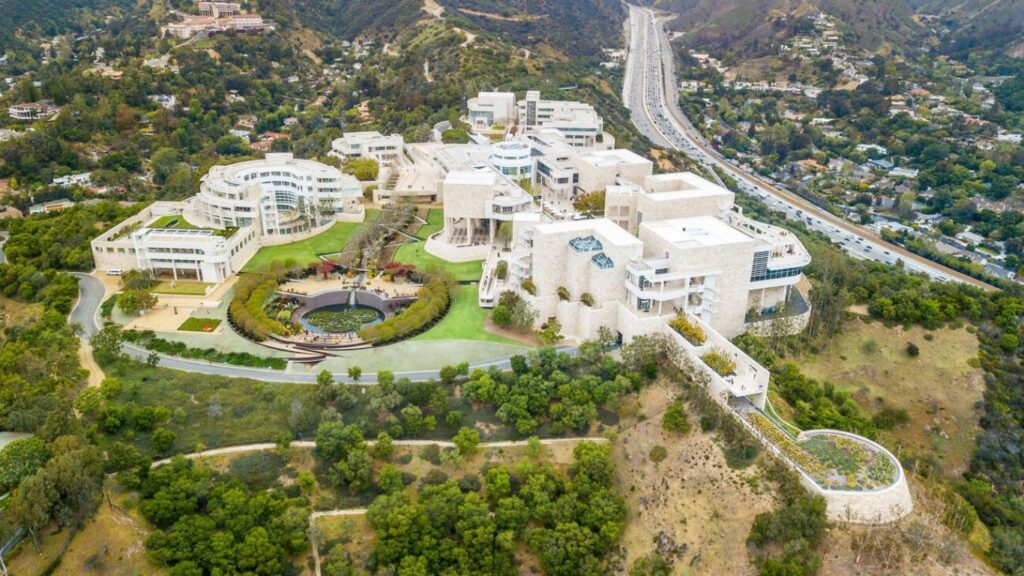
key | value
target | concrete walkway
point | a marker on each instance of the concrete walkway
(91, 295)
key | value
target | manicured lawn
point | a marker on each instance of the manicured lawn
(200, 324)
(182, 288)
(306, 251)
(435, 221)
(416, 254)
(464, 321)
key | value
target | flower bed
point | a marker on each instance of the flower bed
(694, 334)
(720, 362)
(833, 461)
(199, 324)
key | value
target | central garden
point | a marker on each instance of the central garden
(340, 318)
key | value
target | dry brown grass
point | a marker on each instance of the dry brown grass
(692, 496)
(938, 388)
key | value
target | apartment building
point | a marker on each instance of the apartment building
(218, 9)
(384, 149)
(282, 195)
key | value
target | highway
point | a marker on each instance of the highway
(650, 92)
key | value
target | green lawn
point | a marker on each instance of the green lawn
(199, 324)
(435, 221)
(414, 252)
(306, 251)
(182, 288)
(464, 321)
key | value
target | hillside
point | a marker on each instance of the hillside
(21, 20)
(750, 27)
(576, 28)
(348, 18)
(979, 24)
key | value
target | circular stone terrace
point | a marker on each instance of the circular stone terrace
(329, 314)
(861, 481)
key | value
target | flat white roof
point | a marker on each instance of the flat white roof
(615, 157)
(609, 231)
(472, 177)
(700, 231)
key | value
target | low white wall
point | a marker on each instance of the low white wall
(792, 324)
(343, 217)
(446, 251)
(870, 507)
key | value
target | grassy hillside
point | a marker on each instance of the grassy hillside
(752, 27)
(348, 18)
(577, 28)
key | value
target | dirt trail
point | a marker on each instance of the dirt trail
(96, 374)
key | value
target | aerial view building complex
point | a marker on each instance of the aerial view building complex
(239, 208)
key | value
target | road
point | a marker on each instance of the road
(85, 313)
(650, 90)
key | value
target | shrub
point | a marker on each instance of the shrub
(501, 316)
(913, 350)
(658, 454)
(501, 270)
(720, 362)
(675, 419)
(563, 293)
(248, 308)
(529, 286)
(693, 333)
(431, 304)
(587, 298)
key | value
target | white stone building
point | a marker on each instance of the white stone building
(677, 244)
(386, 150)
(160, 239)
(285, 197)
(492, 108)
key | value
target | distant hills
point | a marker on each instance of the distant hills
(24, 21)
(576, 28)
(750, 27)
(747, 27)
(979, 24)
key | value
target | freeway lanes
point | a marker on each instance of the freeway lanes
(651, 85)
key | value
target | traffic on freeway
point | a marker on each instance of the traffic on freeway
(650, 77)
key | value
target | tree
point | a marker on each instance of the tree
(385, 446)
(354, 372)
(106, 344)
(364, 169)
(132, 302)
(467, 440)
(652, 564)
(21, 459)
(550, 332)
(163, 439)
(455, 136)
(164, 162)
(675, 419)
